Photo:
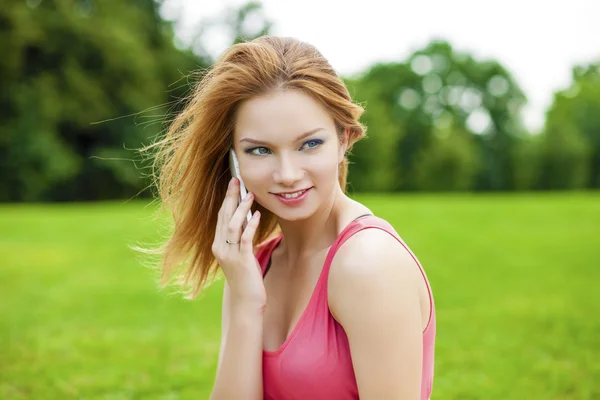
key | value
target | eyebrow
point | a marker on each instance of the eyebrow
(304, 135)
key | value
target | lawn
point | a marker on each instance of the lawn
(514, 276)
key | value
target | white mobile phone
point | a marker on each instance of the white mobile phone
(234, 167)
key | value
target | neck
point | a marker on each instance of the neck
(315, 234)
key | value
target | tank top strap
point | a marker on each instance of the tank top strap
(369, 221)
(357, 225)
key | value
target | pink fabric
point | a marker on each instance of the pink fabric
(314, 362)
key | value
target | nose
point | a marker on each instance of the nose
(288, 172)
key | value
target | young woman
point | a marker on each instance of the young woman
(322, 299)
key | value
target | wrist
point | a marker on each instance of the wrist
(247, 309)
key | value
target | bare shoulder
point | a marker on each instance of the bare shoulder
(371, 252)
(374, 295)
(369, 262)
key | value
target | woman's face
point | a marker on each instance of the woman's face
(286, 142)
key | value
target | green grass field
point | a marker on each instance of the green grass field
(514, 276)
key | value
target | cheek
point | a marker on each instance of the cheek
(322, 171)
(258, 180)
(254, 175)
(325, 163)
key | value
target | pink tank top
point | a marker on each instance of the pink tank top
(314, 362)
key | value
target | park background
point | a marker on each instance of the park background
(504, 217)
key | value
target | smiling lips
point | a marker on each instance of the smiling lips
(292, 195)
(292, 198)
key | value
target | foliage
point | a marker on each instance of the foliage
(67, 65)
(436, 91)
(85, 83)
(571, 141)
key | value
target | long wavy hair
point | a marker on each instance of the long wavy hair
(190, 166)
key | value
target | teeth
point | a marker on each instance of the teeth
(292, 195)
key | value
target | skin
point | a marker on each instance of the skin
(375, 289)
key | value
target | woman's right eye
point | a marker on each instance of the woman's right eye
(259, 153)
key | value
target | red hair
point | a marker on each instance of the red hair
(191, 164)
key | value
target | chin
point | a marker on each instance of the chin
(292, 218)
(292, 215)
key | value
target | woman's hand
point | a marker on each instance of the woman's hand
(237, 260)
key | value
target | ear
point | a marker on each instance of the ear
(343, 146)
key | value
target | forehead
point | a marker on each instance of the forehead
(280, 113)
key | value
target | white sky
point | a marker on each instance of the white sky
(537, 41)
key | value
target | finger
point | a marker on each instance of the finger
(248, 235)
(229, 189)
(219, 225)
(219, 234)
(230, 201)
(234, 228)
(227, 208)
(242, 209)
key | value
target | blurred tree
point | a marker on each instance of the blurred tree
(247, 22)
(527, 158)
(438, 88)
(82, 83)
(371, 163)
(450, 161)
(243, 23)
(571, 139)
(67, 64)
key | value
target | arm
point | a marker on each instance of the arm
(239, 371)
(373, 294)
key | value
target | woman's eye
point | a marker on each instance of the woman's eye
(258, 151)
(311, 144)
(308, 145)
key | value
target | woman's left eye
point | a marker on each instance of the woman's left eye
(311, 144)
